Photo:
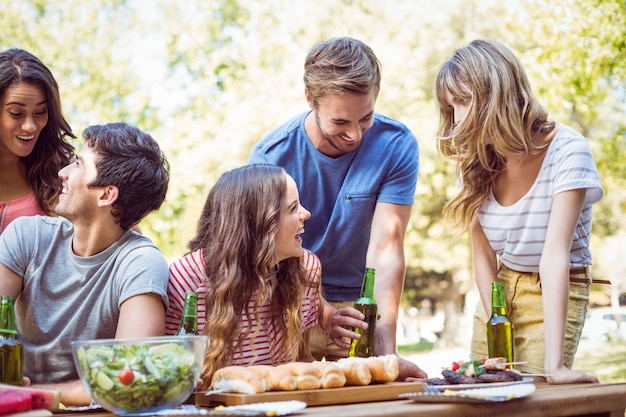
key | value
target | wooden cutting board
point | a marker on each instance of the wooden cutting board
(345, 395)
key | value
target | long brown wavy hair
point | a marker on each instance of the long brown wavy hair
(503, 118)
(237, 232)
(52, 151)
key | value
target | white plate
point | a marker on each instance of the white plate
(281, 408)
(501, 393)
(477, 395)
(457, 387)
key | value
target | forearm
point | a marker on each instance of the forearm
(555, 294)
(327, 311)
(554, 272)
(485, 263)
(72, 393)
(388, 289)
(386, 253)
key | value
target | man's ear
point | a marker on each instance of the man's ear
(108, 196)
(309, 99)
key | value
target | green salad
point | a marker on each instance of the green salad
(136, 377)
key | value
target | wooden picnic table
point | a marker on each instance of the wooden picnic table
(592, 400)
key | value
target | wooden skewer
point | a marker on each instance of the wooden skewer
(507, 363)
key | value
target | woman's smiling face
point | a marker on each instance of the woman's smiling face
(23, 116)
(292, 216)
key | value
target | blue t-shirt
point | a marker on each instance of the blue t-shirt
(341, 193)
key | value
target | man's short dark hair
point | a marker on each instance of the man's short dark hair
(132, 161)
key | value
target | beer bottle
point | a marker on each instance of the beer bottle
(189, 322)
(364, 347)
(11, 353)
(499, 328)
(189, 327)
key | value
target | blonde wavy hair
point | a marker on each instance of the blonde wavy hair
(503, 119)
(236, 232)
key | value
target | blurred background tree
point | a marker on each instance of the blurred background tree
(208, 78)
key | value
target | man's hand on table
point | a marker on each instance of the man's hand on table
(409, 371)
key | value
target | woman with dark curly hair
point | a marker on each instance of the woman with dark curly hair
(33, 137)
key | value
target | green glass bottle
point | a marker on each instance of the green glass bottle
(189, 322)
(499, 328)
(366, 304)
(11, 351)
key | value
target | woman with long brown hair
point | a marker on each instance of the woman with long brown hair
(33, 137)
(258, 288)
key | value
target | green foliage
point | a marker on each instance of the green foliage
(208, 78)
(606, 361)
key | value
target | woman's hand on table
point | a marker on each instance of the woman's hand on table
(564, 375)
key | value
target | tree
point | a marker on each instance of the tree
(208, 78)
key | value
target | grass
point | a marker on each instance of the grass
(421, 347)
(607, 361)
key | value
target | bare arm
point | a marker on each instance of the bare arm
(140, 316)
(72, 393)
(485, 263)
(10, 282)
(386, 253)
(554, 273)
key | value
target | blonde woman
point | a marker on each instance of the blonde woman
(528, 186)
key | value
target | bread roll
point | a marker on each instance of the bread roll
(238, 379)
(332, 375)
(384, 368)
(307, 375)
(277, 379)
(356, 371)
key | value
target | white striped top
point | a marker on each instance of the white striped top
(188, 274)
(517, 232)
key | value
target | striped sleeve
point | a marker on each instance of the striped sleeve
(311, 301)
(186, 274)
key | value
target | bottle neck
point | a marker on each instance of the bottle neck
(367, 287)
(190, 311)
(8, 327)
(189, 322)
(498, 301)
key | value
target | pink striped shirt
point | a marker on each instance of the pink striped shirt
(188, 274)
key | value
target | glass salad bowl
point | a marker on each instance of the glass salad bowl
(132, 377)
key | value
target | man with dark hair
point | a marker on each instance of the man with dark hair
(87, 275)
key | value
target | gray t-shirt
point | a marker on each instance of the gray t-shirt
(66, 297)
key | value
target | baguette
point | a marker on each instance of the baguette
(307, 376)
(356, 371)
(384, 368)
(332, 375)
(277, 379)
(238, 379)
